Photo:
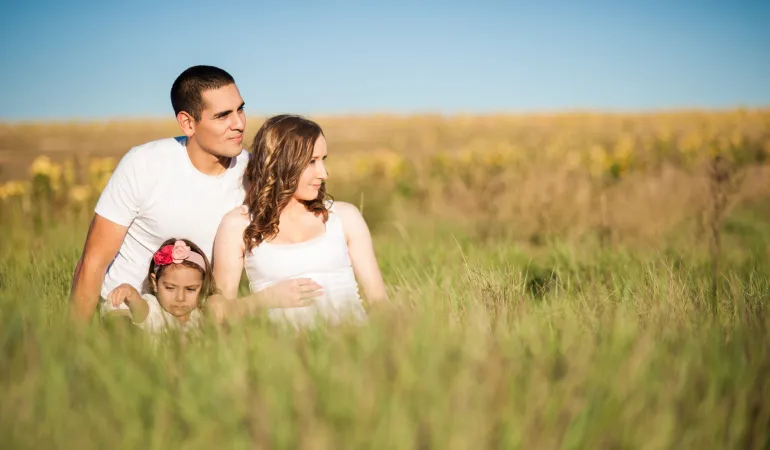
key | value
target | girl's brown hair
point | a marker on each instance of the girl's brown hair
(208, 287)
(282, 150)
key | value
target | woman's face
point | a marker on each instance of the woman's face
(315, 173)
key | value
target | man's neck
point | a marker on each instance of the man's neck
(205, 162)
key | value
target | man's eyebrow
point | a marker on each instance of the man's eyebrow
(222, 114)
(226, 113)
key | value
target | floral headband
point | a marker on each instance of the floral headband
(176, 254)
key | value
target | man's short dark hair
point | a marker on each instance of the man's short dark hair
(187, 90)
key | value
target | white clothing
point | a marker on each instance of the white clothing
(158, 194)
(326, 260)
(159, 320)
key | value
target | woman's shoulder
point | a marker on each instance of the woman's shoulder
(350, 216)
(236, 218)
(342, 208)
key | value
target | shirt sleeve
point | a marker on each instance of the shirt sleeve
(123, 195)
(154, 321)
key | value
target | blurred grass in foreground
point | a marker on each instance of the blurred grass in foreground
(493, 346)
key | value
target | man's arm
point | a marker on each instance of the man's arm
(118, 205)
(362, 256)
(102, 244)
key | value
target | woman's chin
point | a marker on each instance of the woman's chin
(307, 197)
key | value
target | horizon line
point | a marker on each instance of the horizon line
(405, 114)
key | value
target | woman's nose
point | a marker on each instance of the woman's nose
(321, 171)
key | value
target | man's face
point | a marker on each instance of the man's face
(220, 130)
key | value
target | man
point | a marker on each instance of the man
(175, 187)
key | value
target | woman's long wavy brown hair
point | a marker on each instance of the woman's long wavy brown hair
(282, 150)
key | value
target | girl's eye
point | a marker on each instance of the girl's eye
(190, 289)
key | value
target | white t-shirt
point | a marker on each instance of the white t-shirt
(158, 194)
(159, 320)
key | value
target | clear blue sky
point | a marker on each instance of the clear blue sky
(103, 59)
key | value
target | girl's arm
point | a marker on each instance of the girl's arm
(361, 251)
(136, 304)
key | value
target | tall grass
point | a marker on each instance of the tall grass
(573, 311)
(491, 346)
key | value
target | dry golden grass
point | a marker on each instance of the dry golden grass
(569, 174)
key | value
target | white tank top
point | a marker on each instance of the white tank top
(326, 260)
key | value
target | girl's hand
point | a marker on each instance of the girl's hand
(123, 293)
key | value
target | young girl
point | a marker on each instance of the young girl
(179, 280)
(304, 255)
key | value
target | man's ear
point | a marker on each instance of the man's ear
(186, 123)
(153, 282)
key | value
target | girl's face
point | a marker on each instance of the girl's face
(177, 289)
(314, 174)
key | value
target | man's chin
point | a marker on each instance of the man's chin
(236, 151)
(229, 151)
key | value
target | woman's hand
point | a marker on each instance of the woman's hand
(293, 293)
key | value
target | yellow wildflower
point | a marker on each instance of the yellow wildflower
(12, 189)
(80, 193)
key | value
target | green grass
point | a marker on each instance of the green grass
(494, 345)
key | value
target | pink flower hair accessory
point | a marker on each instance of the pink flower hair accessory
(178, 253)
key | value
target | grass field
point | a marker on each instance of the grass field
(565, 281)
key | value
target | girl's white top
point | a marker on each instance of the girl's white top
(324, 259)
(158, 319)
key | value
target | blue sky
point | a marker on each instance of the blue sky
(103, 59)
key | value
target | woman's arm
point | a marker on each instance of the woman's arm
(228, 262)
(361, 251)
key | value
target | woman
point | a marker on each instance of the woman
(304, 254)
